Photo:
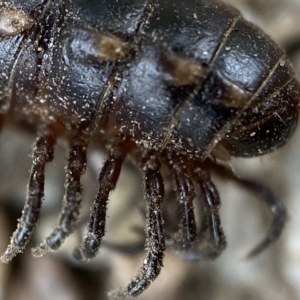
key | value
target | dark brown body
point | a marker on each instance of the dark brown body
(51, 73)
(170, 81)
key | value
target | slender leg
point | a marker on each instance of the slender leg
(42, 154)
(278, 210)
(72, 199)
(155, 243)
(108, 179)
(185, 194)
(211, 210)
(274, 204)
(211, 230)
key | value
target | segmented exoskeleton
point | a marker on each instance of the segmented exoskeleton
(165, 82)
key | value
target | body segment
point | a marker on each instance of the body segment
(172, 82)
(59, 67)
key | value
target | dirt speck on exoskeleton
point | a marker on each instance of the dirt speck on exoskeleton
(157, 89)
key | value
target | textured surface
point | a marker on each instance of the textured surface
(273, 275)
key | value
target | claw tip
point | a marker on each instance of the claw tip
(40, 250)
(79, 255)
(10, 253)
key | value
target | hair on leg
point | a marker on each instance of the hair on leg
(72, 199)
(155, 242)
(108, 179)
(43, 151)
(212, 240)
(187, 233)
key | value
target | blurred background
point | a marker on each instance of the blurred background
(275, 274)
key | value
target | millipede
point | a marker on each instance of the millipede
(176, 85)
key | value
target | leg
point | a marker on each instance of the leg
(155, 243)
(276, 207)
(185, 194)
(211, 230)
(72, 200)
(42, 154)
(107, 182)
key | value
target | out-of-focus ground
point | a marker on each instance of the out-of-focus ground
(275, 274)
